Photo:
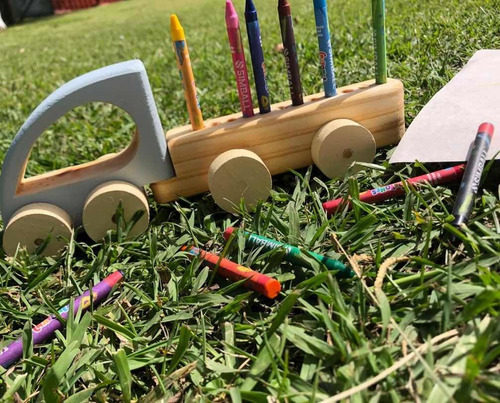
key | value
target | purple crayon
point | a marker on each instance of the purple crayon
(45, 329)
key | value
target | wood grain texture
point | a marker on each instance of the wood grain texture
(238, 174)
(99, 212)
(283, 137)
(108, 163)
(338, 144)
(30, 226)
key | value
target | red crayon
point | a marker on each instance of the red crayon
(239, 64)
(397, 189)
(268, 286)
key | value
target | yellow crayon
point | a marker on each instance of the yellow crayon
(184, 65)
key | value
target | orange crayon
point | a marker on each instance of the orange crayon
(268, 286)
(184, 65)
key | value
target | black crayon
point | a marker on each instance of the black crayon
(290, 52)
(472, 175)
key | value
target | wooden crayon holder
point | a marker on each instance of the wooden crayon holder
(283, 137)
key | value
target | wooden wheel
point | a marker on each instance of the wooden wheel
(338, 144)
(99, 212)
(238, 174)
(32, 225)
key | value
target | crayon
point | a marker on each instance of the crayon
(186, 72)
(292, 254)
(472, 175)
(290, 52)
(325, 48)
(378, 20)
(239, 63)
(48, 327)
(440, 177)
(258, 66)
(268, 286)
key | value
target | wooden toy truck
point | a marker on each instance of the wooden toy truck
(232, 156)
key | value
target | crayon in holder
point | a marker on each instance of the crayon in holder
(289, 137)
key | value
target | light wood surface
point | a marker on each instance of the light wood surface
(338, 144)
(31, 225)
(108, 163)
(238, 174)
(99, 212)
(282, 138)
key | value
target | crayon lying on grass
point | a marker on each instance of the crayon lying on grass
(292, 254)
(47, 328)
(184, 65)
(268, 286)
(472, 175)
(239, 63)
(397, 189)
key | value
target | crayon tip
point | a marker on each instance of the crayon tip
(231, 16)
(272, 288)
(284, 9)
(228, 232)
(176, 30)
(487, 128)
(250, 10)
(114, 278)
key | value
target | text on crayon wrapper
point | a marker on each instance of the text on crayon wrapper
(432, 178)
(84, 303)
(244, 269)
(263, 66)
(322, 62)
(477, 175)
(241, 78)
(286, 53)
(269, 243)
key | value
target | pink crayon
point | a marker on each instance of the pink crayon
(45, 329)
(239, 64)
(440, 177)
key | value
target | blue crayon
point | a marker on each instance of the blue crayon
(259, 68)
(325, 48)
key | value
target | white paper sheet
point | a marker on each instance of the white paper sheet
(446, 126)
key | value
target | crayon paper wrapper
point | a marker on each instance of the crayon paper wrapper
(42, 331)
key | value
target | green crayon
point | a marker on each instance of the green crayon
(378, 17)
(292, 253)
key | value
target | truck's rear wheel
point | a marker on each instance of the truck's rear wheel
(101, 211)
(35, 225)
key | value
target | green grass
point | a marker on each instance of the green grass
(175, 331)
